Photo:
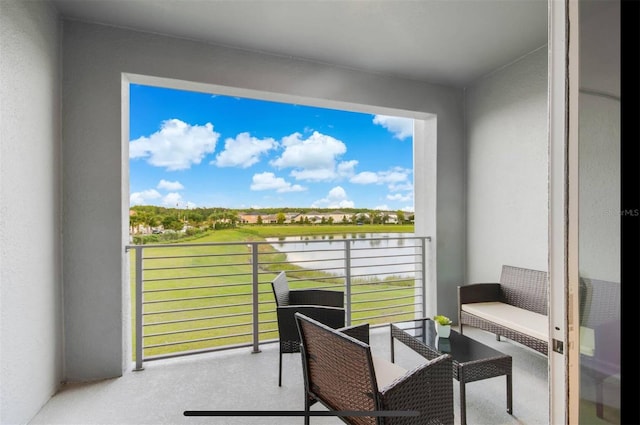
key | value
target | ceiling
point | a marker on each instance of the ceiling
(450, 42)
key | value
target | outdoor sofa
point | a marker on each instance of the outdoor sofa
(515, 308)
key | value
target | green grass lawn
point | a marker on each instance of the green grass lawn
(201, 297)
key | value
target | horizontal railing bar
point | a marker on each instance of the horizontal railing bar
(195, 352)
(400, 255)
(365, 266)
(381, 247)
(360, 310)
(209, 254)
(382, 316)
(355, 264)
(128, 247)
(365, 282)
(208, 276)
(263, 322)
(319, 260)
(189, 288)
(192, 341)
(373, 291)
(384, 300)
(193, 299)
(151, 313)
(182, 331)
(194, 319)
(200, 266)
(298, 251)
(196, 245)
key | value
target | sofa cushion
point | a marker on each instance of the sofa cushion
(520, 320)
(386, 372)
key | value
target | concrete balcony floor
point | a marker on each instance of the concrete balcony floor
(239, 380)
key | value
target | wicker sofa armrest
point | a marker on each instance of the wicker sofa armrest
(479, 293)
(316, 297)
(359, 332)
(427, 388)
(334, 317)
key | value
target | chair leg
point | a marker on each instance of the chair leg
(599, 400)
(306, 409)
(280, 371)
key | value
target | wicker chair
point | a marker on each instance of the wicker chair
(323, 305)
(341, 373)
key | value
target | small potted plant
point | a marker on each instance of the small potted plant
(443, 325)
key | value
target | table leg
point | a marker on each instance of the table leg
(392, 349)
(509, 394)
(463, 404)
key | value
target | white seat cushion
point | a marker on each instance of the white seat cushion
(386, 372)
(526, 322)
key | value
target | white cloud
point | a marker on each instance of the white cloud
(366, 177)
(176, 146)
(171, 186)
(383, 207)
(313, 158)
(172, 199)
(347, 168)
(314, 175)
(243, 151)
(268, 181)
(397, 175)
(336, 198)
(400, 197)
(392, 177)
(409, 209)
(407, 186)
(399, 126)
(143, 198)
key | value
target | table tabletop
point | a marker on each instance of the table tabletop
(461, 348)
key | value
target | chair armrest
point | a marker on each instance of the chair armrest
(428, 388)
(334, 317)
(359, 332)
(479, 293)
(316, 297)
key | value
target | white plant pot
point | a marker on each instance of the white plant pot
(443, 330)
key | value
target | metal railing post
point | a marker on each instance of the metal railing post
(347, 278)
(139, 303)
(423, 276)
(255, 295)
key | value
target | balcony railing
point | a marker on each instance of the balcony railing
(193, 298)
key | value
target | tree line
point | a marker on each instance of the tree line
(152, 217)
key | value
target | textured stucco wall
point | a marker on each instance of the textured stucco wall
(95, 158)
(507, 181)
(30, 295)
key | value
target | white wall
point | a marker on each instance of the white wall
(96, 183)
(30, 296)
(507, 194)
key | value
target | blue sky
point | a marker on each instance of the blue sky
(191, 149)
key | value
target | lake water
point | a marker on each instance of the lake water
(372, 254)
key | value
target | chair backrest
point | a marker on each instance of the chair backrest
(280, 287)
(338, 370)
(525, 288)
(599, 302)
